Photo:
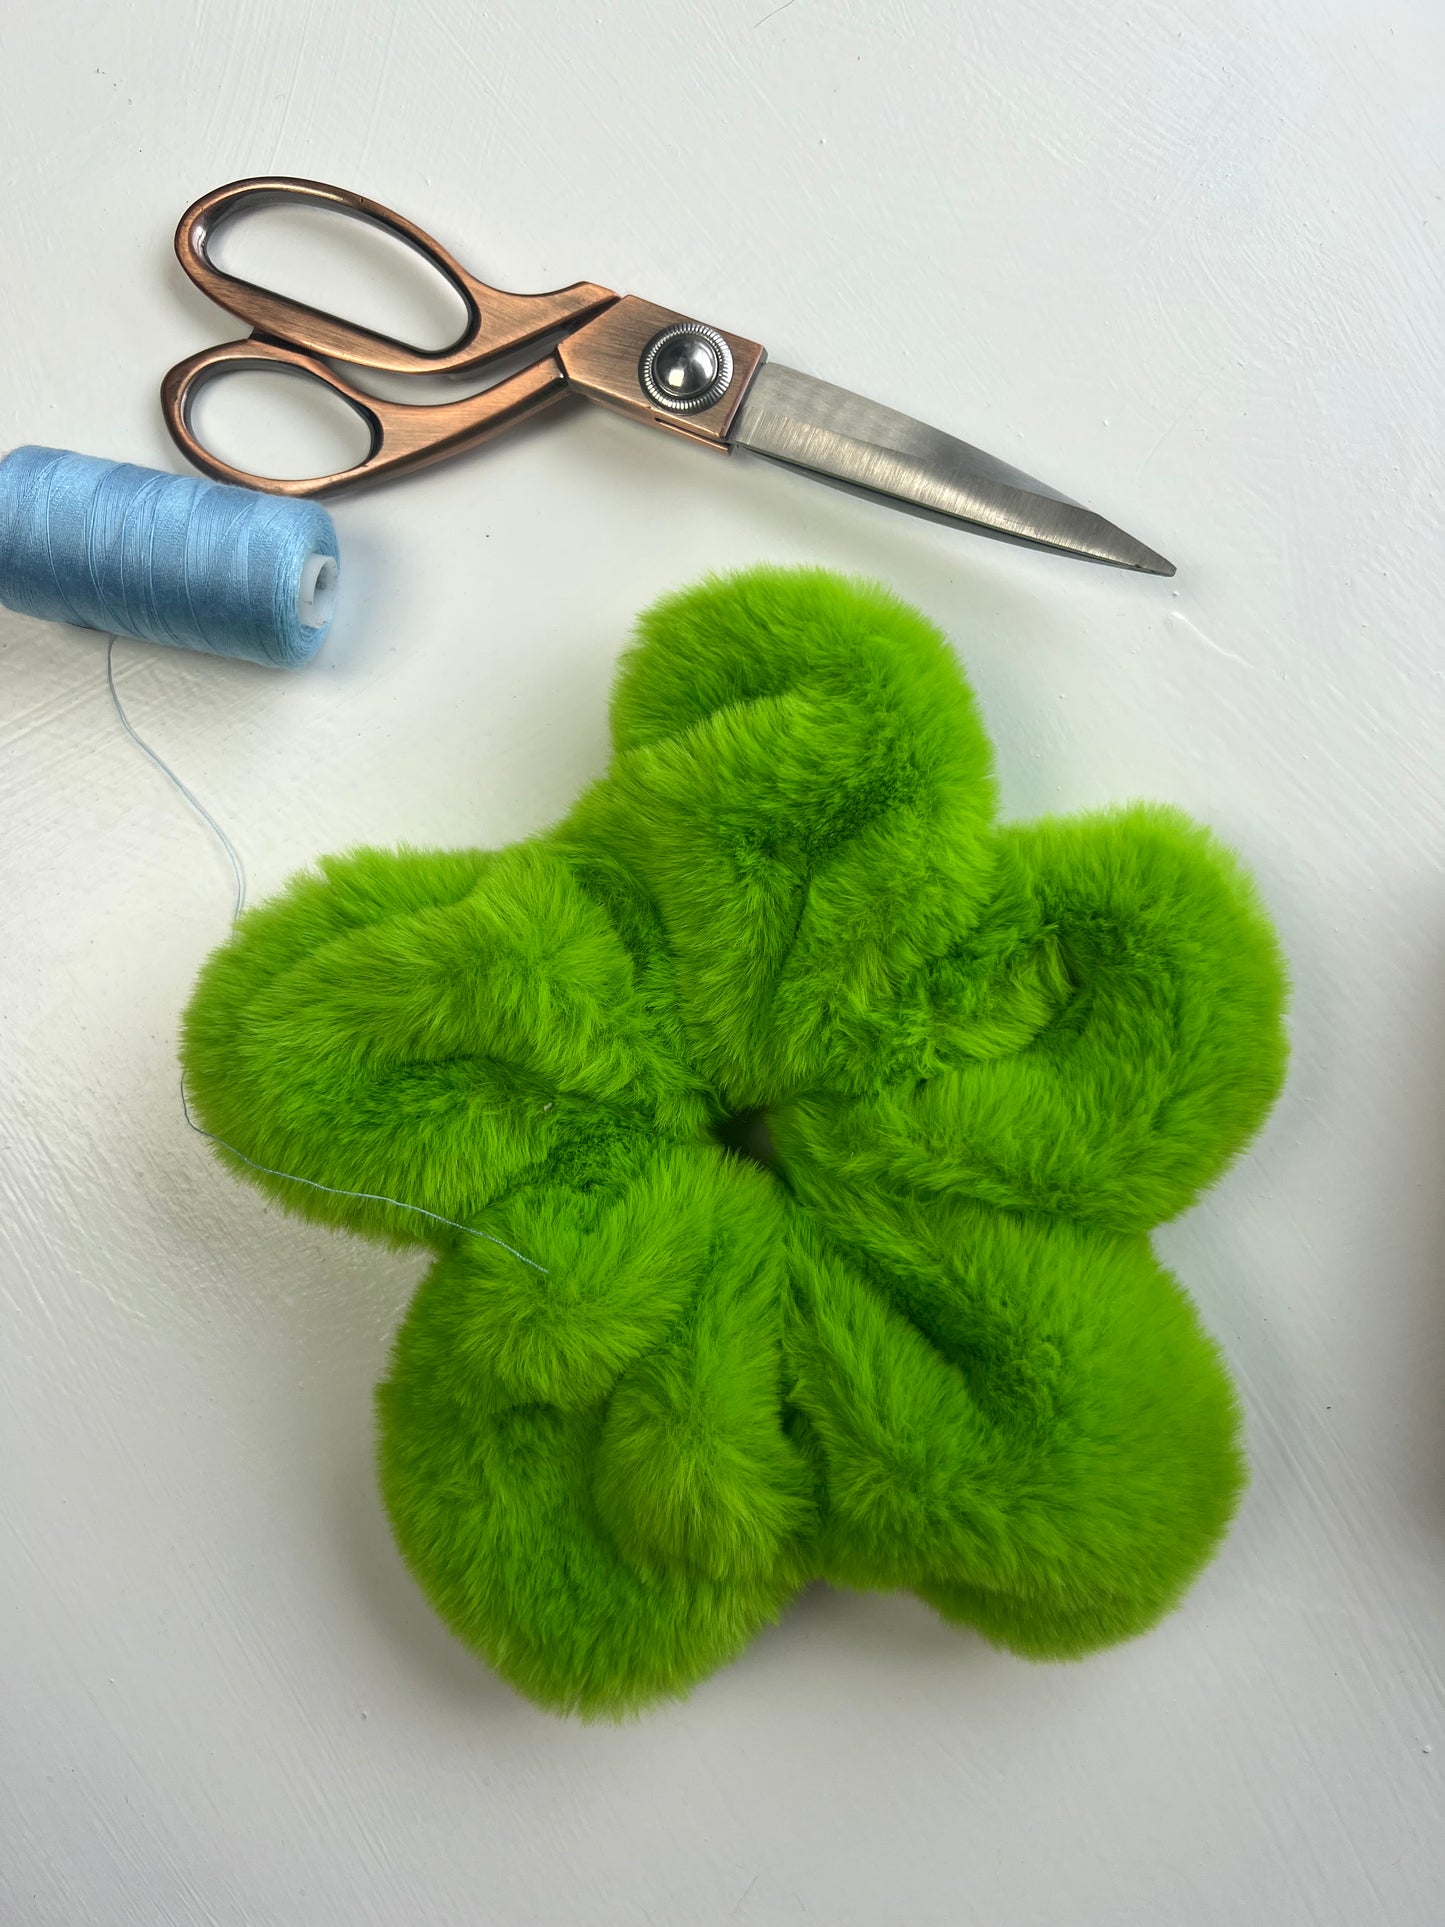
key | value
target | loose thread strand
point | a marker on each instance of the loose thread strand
(288, 1177)
(165, 769)
(371, 1197)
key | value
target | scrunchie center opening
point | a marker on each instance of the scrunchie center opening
(745, 1134)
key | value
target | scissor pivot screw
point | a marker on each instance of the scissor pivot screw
(685, 367)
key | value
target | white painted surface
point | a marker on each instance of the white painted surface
(1182, 262)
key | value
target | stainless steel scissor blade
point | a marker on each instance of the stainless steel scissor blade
(714, 387)
(856, 444)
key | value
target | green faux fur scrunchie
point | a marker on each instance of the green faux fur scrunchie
(926, 1344)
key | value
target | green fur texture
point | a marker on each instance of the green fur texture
(925, 1342)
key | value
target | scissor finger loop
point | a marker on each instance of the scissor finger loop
(496, 322)
(401, 437)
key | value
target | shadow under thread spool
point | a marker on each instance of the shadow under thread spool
(168, 558)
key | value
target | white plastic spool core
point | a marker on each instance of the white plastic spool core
(316, 594)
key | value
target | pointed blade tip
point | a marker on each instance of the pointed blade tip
(1132, 554)
(838, 437)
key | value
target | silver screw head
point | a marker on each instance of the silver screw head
(685, 367)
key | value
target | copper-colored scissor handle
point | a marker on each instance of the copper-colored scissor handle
(402, 436)
(292, 335)
(496, 323)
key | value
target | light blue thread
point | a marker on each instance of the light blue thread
(173, 559)
(195, 802)
(168, 558)
(289, 1177)
(371, 1197)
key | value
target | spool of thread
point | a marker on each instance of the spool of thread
(168, 558)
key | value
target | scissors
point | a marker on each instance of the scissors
(689, 377)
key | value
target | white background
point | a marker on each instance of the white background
(1181, 261)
